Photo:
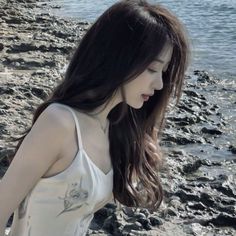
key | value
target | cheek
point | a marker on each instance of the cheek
(142, 82)
(132, 94)
(137, 86)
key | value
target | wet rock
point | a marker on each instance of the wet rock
(1, 46)
(204, 179)
(140, 215)
(215, 107)
(132, 226)
(39, 93)
(111, 224)
(192, 167)
(5, 153)
(212, 131)
(25, 47)
(60, 34)
(145, 212)
(171, 212)
(204, 104)
(13, 20)
(56, 7)
(196, 206)
(129, 211)
(25, 1)
(182, 121)
(22, 47)
(232, 149)
(6, 90)
(186, 108)
(26, 63)
(175, 203)
(184, 196)
(180, 139)
(206, 199)
(210, 163)
(192, 93)
(223, 219)
(154, 221)
(204, 77)
(146, 224)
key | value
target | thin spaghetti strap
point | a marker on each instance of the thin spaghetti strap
(76, 124)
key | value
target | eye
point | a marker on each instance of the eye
(151, 71)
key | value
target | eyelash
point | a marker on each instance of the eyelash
(153, 71)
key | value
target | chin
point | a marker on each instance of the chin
(136, 106)
(135, 103)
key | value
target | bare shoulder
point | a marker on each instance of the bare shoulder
(61, 122)
(58, 115)
(56, 124)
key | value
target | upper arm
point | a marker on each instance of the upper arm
(40, 148)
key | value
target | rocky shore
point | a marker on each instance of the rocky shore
(199, 176)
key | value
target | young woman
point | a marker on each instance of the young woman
(94, 138)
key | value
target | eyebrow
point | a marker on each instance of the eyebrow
(159, 60)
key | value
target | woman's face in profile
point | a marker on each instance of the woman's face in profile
(148, 81)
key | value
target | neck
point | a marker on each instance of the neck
(102, 111)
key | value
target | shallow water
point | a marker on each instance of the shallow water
(211, 25)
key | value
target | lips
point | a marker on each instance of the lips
(145, 97)
(149, 95)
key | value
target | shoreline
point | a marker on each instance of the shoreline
(34, 49)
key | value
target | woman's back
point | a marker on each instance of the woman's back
(40, 148)
(64, 203)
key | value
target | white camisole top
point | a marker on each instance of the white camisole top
(64, 204)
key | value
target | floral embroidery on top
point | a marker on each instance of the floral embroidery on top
(75, 197)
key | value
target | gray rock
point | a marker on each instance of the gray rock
(212, 131)
(1, 46)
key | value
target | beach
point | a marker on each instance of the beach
(198, 141)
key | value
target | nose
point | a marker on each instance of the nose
(158, 82)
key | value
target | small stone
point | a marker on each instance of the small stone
(145, 212)
(155, 221)
(192, 167)
(171, 211)
(175, 203)
(145, 223)
(191, 93)
(133, 226)
(1, 46)
(128, 211)
(196, 206)
(140, 215)
(232, 149)
(212, 131)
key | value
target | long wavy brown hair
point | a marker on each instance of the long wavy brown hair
(117, 48)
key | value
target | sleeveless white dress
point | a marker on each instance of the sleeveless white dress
(64, 204)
